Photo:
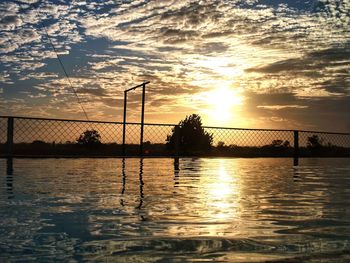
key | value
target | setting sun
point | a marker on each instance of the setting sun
(221, 103)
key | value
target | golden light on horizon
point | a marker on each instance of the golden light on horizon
(223, 103)
(218, 76)
(214, 71)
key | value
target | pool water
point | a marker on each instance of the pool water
(168, 210)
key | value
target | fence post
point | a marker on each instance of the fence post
(9, 142)
(177, 139)
(124, 123)
(142, 117)
(296, 148)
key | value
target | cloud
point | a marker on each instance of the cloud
(5, 78)
(315, 60)
(294, 53)
(323, 72)
(10, 22)
(323, 113)
(28, 1)
(95, 91)
(39, 76)
(279, 107)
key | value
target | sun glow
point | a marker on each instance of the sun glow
(222, 103)
(222, 66)
(220, 194)
(219, 76)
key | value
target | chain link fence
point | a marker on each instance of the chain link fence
(54, 137)
(3, 135)
(324, 144)
(3, 130)
(62, 131)
(248, 137)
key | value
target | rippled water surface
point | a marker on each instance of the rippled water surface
(164, 210)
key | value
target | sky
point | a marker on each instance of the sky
(252, 63)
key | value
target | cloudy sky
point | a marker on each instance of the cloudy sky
(252, 63)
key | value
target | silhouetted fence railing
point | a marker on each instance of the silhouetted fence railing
(20, 136)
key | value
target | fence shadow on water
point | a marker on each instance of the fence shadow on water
(39, 137)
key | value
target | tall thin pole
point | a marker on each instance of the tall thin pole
(143, 85)
(124, 122)
(142, 117)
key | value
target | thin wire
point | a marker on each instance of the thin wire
(62, 66)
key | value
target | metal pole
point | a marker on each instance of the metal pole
(124, 123)
(142, 117)
(296, 148)
(9, 142)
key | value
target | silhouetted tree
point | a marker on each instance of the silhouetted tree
(190, 135)
(221, 144)
(314, 142)
(89, 138)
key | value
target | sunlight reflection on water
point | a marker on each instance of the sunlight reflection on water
(174, 210)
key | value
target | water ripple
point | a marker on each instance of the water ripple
(161, 210)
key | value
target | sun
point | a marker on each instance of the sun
(219, 76)
(221, 104)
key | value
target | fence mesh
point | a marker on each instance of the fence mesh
(60, 131)
(37, 136)
(3, 130)
(157, 134)
(314, 139)
(249, 138)
(324, 144)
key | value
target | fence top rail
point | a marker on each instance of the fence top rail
(54, 119)
(325, 132)
(168, 124)
(88, 121)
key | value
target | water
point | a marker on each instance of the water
(158, 210)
